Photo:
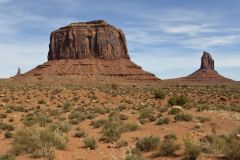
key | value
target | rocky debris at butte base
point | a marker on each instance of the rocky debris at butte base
(90, 51)
(207, 72)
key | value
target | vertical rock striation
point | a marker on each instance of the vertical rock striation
(95, 39)
(207, 61)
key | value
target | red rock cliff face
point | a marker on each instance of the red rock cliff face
(95, 39)
(207, 61)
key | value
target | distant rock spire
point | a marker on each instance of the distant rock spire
(18, 72)
(207, 61)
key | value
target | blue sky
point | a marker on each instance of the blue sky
(165, 37)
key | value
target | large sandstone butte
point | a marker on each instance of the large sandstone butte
(95, 39)
(90, 51)
(207, 72)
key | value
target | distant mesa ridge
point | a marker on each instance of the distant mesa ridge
(90, 51)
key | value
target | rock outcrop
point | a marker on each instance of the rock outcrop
(19, 72)
(207, 72)
(207, 61)
(95, 39)
(90, 52)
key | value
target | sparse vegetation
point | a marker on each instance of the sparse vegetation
(148, 143)
(90, 143)
(38, 142)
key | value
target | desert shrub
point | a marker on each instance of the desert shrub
(6, 127)
(36, 118)
(7, 157)
(145, 113)
(62, 126)
(142, 121)
(121, 143)
(8, 134)
(133, 154)
(203, 119)
(42, 101)
(66, 107)
(123, 117)
(148, 143)
(38, 142)
(80, 133)
(174, 111)
(192, 149)
(163, 109)
(90, 143)
(170, 136)
(162, 121)
(98, 123)
(17, 108)
(178, 100)
(183, 117)
(112, 131)
(202, 107)
(169, 146)
(3, 115)
(132, 127)
(158, 94)
(77, 116)
(188, 106)
(233, 151)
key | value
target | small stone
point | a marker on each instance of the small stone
(178, 107)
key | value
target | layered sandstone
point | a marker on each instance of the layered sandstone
(95, 39)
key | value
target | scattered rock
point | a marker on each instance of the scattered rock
(178, 107)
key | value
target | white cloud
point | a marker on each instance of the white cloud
(208, 42)
(188, 29)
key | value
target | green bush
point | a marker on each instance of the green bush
(233, 152)
(132, 126)
(183, 117)
(158, 94)
(133, 154)
(7, 157)
(174, 111)
(90, 143)
(162, 121)
(38, 142)
(121, 143)
(112, 131)
(178, 100)
(80, 133)
(6, 127)
(36, 118)
(62, 126)
(98, 123)
(148, 143)
(145, 113)
(8, 134)
(192, 149)
(169, 146)
(42, 101)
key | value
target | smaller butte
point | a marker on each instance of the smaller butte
(207, 72)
